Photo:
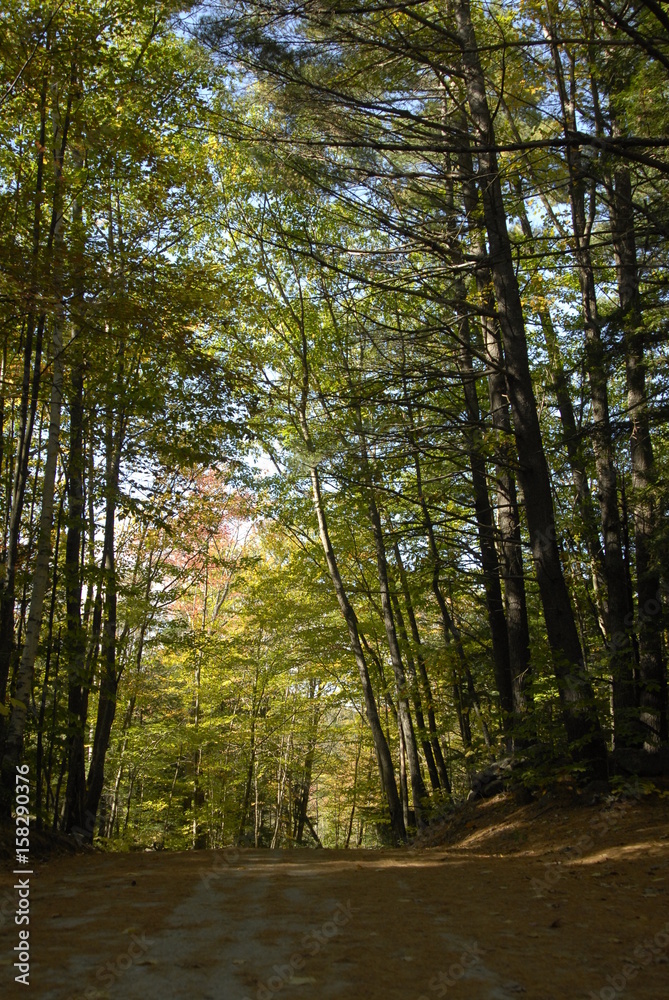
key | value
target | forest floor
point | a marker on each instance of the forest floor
(545, 901)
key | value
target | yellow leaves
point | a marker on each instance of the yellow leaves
(13, 703)
(540, 302)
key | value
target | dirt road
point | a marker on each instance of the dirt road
(582, 912)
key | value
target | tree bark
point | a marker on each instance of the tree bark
(619, 639)
(109, 674)
(75, 791)
(415, 696)
(652, 665)
(419, 792)
(26, 669)
(486, 534)
(572, 437)
(424, 678)
(13, 748)
(384, 760)
(305, 783)
(40, 807)
(463, 703)
(507, 615)
(27, 411)
(575, 691)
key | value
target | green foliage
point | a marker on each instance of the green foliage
(259, 234)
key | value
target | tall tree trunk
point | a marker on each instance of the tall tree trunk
(619, 635)
(109, 673)
(112, 819)
(355, 792)
(486, 533)
(27, 410)
(13, 748)
(508, 515)
(424, 678)
(415, 695)
(404, 784)
(467, 699)
(48, 770)
(26, 670)
(571, 436)
(75, 791)
(418, 789)
(508, 518)
(305, 783)
(508, 614)
(625, 727)
(652, 665)
(384, 760)
(199, 839)
(575, 691)
(246, 801)
(40, 809)
(115, 428)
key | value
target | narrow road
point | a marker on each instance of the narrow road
(327, 925)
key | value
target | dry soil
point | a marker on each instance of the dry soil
(540, 902)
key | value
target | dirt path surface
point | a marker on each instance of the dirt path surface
(542, 906)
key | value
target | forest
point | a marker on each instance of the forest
(334, 447)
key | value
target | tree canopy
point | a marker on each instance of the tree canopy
(334, 409)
